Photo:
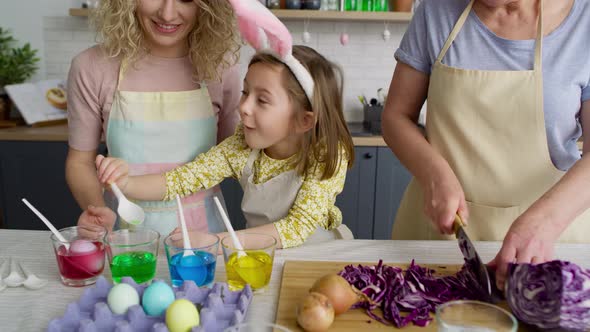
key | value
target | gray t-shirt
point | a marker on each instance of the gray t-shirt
(566, 62)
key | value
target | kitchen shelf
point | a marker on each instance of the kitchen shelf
(81, 12)
(330, 15)
(324, 15)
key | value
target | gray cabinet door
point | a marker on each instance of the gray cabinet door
(392, 180)
(232, 194)
(357, 199)
(35, 171)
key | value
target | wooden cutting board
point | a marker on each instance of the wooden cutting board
(299, 276)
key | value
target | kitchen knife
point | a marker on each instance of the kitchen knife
(484, 276)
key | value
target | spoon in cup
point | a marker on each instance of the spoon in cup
(48, 224)
(248, 266)
(191, 265)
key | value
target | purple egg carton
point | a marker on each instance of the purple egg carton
(218, 307)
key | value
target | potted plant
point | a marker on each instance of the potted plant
(17, 64)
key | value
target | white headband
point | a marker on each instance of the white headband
(267, 34)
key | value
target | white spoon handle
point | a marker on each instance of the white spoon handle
(13, 267)
(47, 222)
(118, 192)
(26, 271)
(185, 240)
(3, 268)
(229, 227)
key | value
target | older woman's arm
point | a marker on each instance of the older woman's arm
(532, 236)
(442, 191)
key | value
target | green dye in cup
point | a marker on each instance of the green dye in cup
(139, 265)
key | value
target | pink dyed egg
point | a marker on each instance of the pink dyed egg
(344, 39)
(82, 247)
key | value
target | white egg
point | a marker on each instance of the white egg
(386, 35)
(82, 247)
(306, 37)
(121, 297)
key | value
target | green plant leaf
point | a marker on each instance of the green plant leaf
(17, 64)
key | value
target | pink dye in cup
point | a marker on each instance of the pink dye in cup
(81, 262)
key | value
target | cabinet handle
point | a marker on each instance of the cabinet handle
(368, 155)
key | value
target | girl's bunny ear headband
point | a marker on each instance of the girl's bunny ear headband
(267, 34)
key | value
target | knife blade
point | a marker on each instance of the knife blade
(473, 262)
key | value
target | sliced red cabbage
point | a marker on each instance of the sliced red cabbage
(552, 295)
(414, 292)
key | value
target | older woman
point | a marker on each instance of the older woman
(507, 83)
(160, 89)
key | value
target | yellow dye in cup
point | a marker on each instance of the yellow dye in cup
(255, 269)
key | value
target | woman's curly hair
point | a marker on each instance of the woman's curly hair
(213, 43)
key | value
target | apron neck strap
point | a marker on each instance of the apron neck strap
(121, 71)
(456, 29)
(463, 18)
(252, 158)
(539, 41)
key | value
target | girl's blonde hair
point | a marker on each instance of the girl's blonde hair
(213, 42)
(330, 135)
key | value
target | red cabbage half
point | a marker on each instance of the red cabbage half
(552, 295)
(415, 291)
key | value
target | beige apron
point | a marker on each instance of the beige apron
(490, 128)
(271, 201)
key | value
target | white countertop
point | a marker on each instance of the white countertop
(26, 310)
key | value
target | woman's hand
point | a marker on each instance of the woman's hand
(530, 239)
(443, 198)
(98, 216)
(112, 170)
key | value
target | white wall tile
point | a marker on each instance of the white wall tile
(58, 35)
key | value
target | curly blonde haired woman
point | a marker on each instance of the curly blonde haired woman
(163, 75)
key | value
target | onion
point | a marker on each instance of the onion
(340, 293)
(315, 313)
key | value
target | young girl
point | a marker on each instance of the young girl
(290, 153)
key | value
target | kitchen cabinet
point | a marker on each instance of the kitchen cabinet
(393, 178)
(372, 192)
(35, 170)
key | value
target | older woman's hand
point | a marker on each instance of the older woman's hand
(530, 239)
(443, 198)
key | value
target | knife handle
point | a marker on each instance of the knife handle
(458, 223)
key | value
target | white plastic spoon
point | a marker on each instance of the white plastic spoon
(230, 229)
(32, 281)
(14, 279)
(48, 224)
(2, 271)
(248, 265)
(185, 240)
(129, 211)
(191, 267)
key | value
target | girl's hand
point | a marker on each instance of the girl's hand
(443, 198)
(98, 216)
(112, 170)
(529, 240)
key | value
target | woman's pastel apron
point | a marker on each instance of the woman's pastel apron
(156, 132)
(270, 201)
(490, 128)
